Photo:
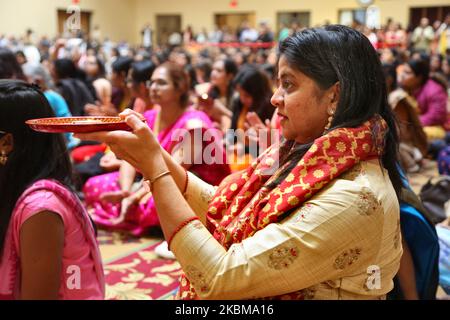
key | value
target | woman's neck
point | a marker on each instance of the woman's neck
(147, 100)
(223, 90)
(169, 114)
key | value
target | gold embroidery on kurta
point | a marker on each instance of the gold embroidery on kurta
(309, 293)
(347, 258)
(197, 278)
(353, 173)
(367, 202)
(282, 257)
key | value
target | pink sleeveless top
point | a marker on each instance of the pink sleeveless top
(82, 272)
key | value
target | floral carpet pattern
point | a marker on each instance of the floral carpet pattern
(142, 276)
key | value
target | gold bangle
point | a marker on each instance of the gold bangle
(149, 182)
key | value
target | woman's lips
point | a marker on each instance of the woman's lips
(282, 116)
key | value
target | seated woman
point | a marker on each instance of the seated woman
(140, 74)
(74, 91)
(121, 96)
(47, 241)
(111, 199)
(254, 92)
(431, 96)
(96, 76)
(413, 140)
(320, 223)
(219, 93)
(9, 67)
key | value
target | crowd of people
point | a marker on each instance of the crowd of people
(332, 100)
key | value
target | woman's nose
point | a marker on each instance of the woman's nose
(153, 86)
(277, 99)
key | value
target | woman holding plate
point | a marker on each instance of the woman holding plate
(324, 222)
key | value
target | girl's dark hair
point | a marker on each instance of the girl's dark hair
(256, 83)
(9, 67)
(122, 65)
(35, 156)
(180, 80)
(230, 69)
(336, 53)
(142, 71)
(421, 68)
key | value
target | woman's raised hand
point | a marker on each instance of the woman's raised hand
(140, 147)
(258, 130)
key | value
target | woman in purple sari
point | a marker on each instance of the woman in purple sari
(118, 200)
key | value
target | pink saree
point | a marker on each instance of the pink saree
(143, 216)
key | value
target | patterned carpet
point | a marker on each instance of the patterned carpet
(134, 272)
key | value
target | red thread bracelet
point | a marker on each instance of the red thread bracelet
(181, 226)
(186, 183)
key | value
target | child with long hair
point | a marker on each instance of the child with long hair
(48, 248)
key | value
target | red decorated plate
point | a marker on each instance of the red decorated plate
(78, 124)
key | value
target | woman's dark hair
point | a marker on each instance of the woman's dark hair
(230, 66)
(230, 69)
(270, 70)
(65, 68)
(35, 156)
(142, 71)
(9, 67)
(180, 80)
(190, 71)
(256, 83)
(115, 52)
(337, 53)
(421, 68)
(101, 68)
(122, 65)
(205, 67)
(21, 54)
(390, 73)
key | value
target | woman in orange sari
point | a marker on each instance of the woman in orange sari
(316, 217)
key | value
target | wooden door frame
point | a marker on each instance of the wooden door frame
(158, 35)
(64, 10)
(291, 11)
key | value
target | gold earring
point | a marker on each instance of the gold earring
(3, 158)
(330, 119)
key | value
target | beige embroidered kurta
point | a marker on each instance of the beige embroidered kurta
(344, 243)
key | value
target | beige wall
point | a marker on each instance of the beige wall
(116, 18)
(123, 19)
(200, 13)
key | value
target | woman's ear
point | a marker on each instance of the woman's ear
(334, 94)
(337, 92)
(7, 143)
